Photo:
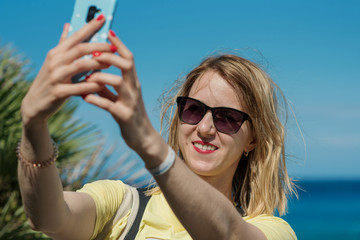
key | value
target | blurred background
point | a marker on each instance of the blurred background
(309, 48)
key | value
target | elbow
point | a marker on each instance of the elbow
(37, 225)
(32, 225)
(44, 227)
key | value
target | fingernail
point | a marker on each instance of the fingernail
(96, 53)
(107, 66)
(113, 48)
(66, 25)
(100, 17)
(87, 77)
(84, 96)
(112, 33)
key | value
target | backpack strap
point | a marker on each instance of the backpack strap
(240, 210)
(134, 201)
(124, 208)
(133, 212)
(143, 201)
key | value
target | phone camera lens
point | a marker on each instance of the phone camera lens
(91, 13)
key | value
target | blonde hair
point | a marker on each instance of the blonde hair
(261, 182)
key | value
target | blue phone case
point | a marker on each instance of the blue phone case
(84, 11)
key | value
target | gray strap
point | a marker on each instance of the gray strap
(143, 201)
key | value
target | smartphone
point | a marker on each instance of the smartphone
(84, 12)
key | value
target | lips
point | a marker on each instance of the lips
(202, 147)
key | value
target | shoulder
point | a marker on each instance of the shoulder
(108, 196)
(273, 227)
(105, 192)
(102, 186)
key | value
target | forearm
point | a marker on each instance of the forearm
(41, 188)
(196, 203)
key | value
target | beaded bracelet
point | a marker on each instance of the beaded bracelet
(43, 164)
(164, 166)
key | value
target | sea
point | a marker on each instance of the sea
(326, 209)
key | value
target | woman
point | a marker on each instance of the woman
(226, 132)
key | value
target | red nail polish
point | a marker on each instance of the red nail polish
(100, 17)
(96, 53)
(84, 96)
(113, 48)
(87, 77)
(112, 33)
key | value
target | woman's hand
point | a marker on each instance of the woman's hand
(126, 104)
(53, 86)
(41, 190)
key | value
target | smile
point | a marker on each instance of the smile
(204, 148)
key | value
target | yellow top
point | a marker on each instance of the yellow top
(159, 222)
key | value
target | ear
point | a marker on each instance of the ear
(251, 145)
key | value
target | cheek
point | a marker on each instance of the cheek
(234, 147)
(246, 133)
(240, 142)
(185, 132)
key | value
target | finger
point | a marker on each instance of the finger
(121, 48)
(84, 49)
(106, 93)
(64, 33)
(85, 32)
(101, 102)
(83, 88)
(82, 65)
(117, 61)
(106, 79)
(127, 67)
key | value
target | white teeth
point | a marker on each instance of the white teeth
(204, 147)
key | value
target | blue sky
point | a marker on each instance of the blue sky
(310, 48)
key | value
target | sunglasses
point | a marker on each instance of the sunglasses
(226, 120)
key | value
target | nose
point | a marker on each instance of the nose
(206, 126)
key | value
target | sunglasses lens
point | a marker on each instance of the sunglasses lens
(191, 111)
(227, 120)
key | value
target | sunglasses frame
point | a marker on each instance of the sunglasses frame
(212, 109)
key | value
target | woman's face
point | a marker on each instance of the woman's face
(221, 159)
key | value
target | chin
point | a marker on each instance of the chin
(202, 169)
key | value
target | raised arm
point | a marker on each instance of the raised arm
(61, 215)
(194, 201)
